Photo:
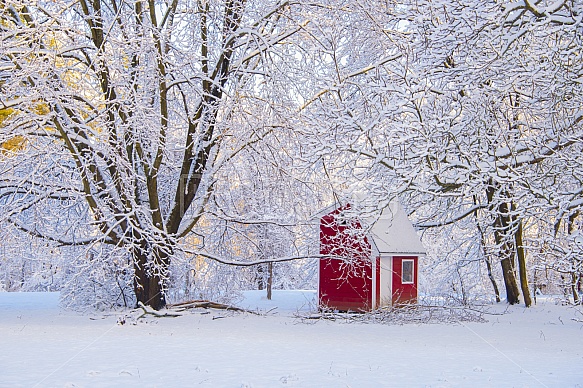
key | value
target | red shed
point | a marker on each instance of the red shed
(368, 268)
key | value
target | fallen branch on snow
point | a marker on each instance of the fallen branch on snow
(150, 311)
(206, 304)
(175, 310)
(405, 314)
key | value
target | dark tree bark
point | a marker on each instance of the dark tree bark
(492, 280)
(512, 292)
(269, 279)
(575, 275)
(505, 241)
(522, 271)
(259, 277)
(574, 287)
(150, 271)
(486, 257)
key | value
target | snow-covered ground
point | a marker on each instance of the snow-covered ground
(43, 346)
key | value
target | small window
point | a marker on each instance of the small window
(407, 271)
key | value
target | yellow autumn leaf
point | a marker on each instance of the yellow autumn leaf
(15, 143)
(4, 114)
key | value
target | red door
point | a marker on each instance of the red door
(404, 279)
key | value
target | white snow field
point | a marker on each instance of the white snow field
(44, 346)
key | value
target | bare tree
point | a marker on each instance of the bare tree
(140, 104)
(137, 113)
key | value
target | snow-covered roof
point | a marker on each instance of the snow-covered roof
(393, 232)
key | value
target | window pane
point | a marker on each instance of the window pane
(407, 276)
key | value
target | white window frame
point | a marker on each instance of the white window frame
(403, 261)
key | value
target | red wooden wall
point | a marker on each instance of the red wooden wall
(344, 285)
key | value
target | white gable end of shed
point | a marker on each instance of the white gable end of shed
(393, 233)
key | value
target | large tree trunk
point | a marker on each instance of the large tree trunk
(512, 292)
(505, 241)
(507, 253)
(149, 275)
